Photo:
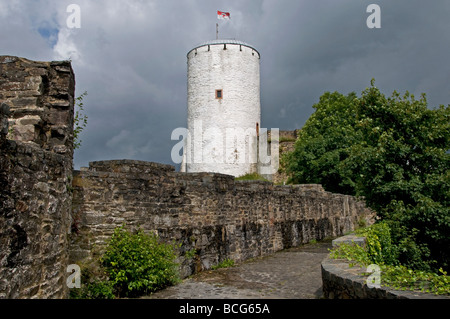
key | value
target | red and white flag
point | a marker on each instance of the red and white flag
(223, 15)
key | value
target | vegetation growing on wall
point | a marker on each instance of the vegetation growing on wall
(251, 177)
(79, 121)
(224, 264)
(380, 250)
(394, 151)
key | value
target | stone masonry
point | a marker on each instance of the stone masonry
(36, 111)
(286, 145)
(212, 214)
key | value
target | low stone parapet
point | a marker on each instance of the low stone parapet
(340, 281)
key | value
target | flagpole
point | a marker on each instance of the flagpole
(217, 31)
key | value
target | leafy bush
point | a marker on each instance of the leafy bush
(421, 233)
(380, 248)
(98, 289)
(138, 263)
(354, 253)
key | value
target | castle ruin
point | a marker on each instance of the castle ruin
(51, 216)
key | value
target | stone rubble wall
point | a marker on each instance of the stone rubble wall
(212, 213)
(41, 99)
(286, 145)
(36, 136)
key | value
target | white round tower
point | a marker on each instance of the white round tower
(224, 108)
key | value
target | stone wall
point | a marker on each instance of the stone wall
(212, 213)
(286, 145)
(41, 99)
(36, 98)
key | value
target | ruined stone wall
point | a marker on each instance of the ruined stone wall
(212, 213)
(286, 145)
(41, 98)
(36, 99)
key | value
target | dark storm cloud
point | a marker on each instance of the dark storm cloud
(329, 47)
(130, 56)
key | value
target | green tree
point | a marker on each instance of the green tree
(324, 142)
(393, 151)
(402, 152)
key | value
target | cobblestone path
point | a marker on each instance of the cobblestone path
(293, 273)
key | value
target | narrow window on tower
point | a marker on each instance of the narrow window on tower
(219, 94)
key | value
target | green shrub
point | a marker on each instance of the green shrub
(421, 233)
(98, 289)
(351, 252)
(138, 263)
(379, 245)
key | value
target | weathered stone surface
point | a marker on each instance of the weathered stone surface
(212, 213)
(35, 197)
(4, 124)
(41, 98)
(286, 145)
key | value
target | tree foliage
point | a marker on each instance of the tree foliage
(394, 151)
(324, 142)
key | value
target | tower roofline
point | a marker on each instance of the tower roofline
(224, 41)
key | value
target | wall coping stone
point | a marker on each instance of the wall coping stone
(349, 239)
(125, 165)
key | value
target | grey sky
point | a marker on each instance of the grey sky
(130, 56)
